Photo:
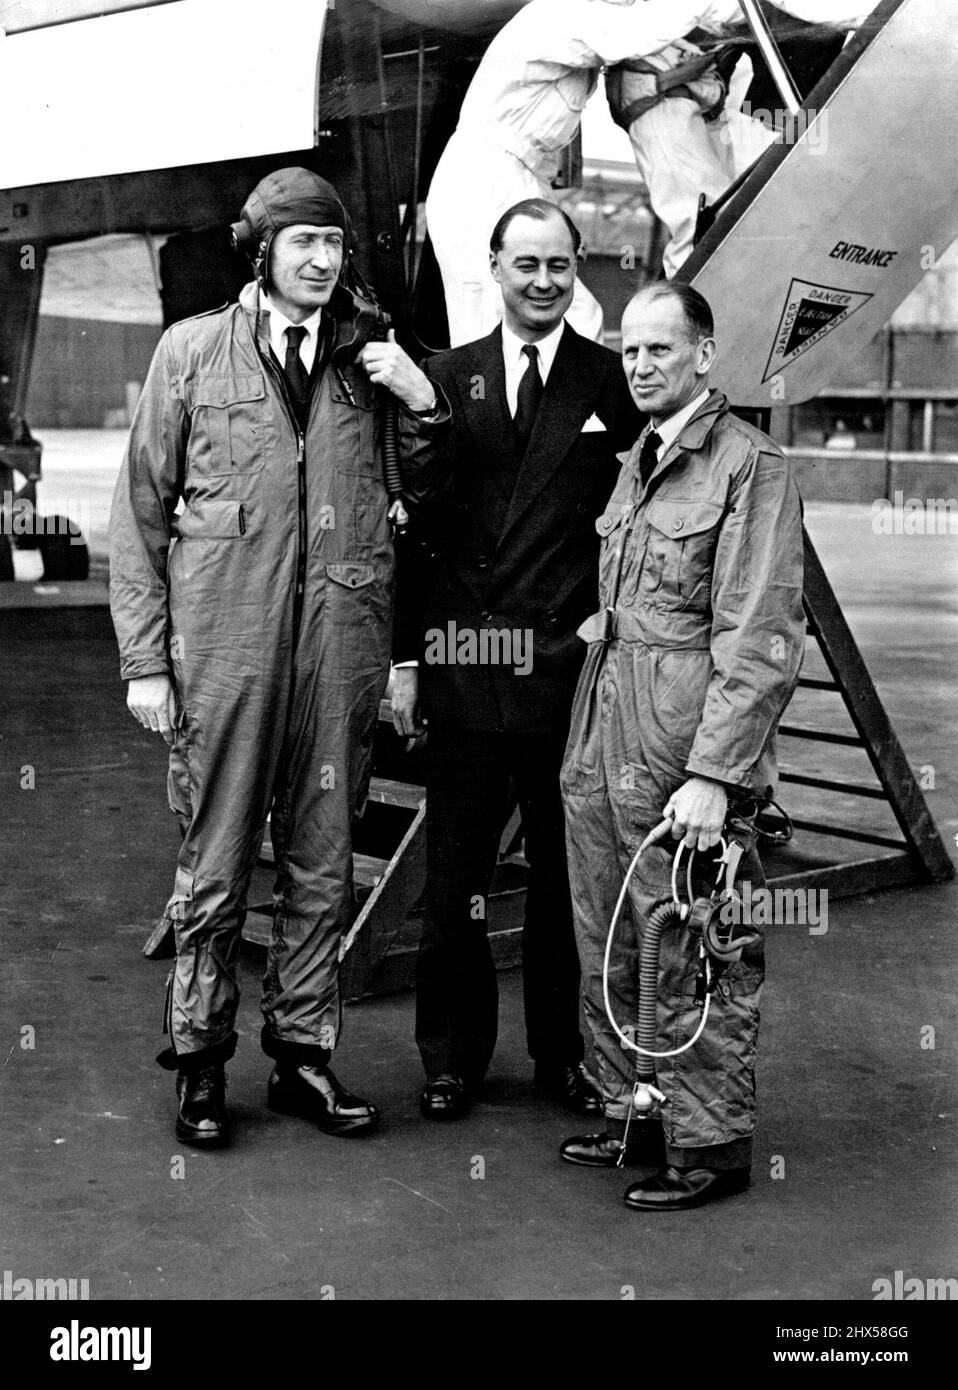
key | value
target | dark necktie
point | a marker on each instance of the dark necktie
(296, 374)
(529, 396)
(649, 456)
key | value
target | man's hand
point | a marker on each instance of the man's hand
(405, 702)
(697, 812)
(387, 365)
(151, 700)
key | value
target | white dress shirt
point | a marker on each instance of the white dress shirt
(516, 361)
(278, 324)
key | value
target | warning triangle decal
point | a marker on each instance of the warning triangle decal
(811, 311)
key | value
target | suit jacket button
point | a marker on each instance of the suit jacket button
(482, 562)
(487, 617)
(553, 617)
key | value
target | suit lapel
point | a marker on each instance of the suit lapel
(564, 409)
(487, 413)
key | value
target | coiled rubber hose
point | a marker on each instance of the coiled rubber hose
(391, 470)
(663, 915)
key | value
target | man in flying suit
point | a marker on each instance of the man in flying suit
(690, 662)
(254, 631)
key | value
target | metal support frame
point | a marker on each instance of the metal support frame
(920, 856)
(773, 58)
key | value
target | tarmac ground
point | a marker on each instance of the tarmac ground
(856, 1164)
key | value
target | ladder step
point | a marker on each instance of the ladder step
(812, 683)
(817, 828)
(381, 789)
(368, 870)
(392, 793)
(849, 788)
(819, 735)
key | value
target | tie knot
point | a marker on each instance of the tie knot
(532, 352)
(295, 335)
(652, 442)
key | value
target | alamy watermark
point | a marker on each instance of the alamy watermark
(810, 126)
(18, 517)
(765, 907)
(484, 646)
(910, 1289)
(915, 516)
(76, 1343)
(40, 1290)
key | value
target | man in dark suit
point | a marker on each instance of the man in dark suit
(538, 415)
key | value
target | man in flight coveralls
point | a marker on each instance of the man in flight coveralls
(691, 660)
(255, 629)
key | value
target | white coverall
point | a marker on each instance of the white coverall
(680, 155)
(522, 108)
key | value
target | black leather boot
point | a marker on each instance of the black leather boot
(569, 1087)
(201, 1119)
(674, 1189)
(315, 1094)
(645, 1148)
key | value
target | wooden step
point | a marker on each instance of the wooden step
(382, 790)
(390, 793)
(368, 870)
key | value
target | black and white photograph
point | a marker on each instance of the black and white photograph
(478, 655)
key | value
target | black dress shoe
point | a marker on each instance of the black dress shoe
(645, 1149)
(315, 1094)
(673, 1189)
(446, 1098)
(570, 1087)
(201, 1119)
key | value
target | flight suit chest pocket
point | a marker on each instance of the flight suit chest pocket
(355, 402)
(227, 425)
(680, 555)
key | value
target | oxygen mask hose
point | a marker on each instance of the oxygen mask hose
(646, 1096)
(398, 515)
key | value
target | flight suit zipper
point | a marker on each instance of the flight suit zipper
(301, 534)
(301, 539)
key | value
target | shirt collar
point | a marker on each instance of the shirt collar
(672, 426)
(278, 324)
(512, 346)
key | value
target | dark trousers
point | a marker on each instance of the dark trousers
(467, 803)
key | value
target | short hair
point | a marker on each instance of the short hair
(540, 210)
(696, 309)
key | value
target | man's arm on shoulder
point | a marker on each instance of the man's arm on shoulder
(758, 624)
(427, 445)
(147, 491)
